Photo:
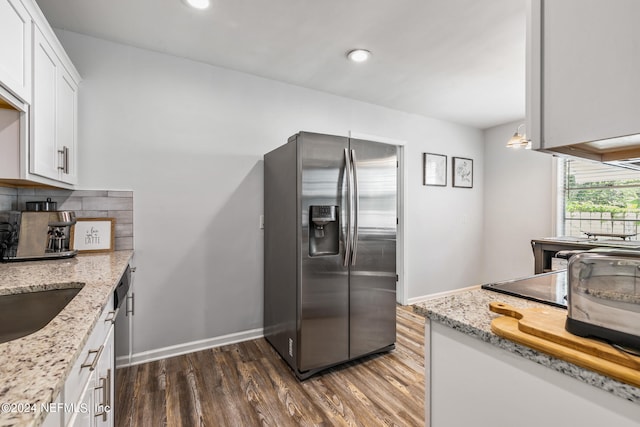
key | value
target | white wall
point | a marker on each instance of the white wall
(188, 138)
(517, 205)
(445, 223)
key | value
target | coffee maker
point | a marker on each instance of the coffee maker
(35, 234)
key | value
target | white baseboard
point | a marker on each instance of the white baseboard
(190, 347)
(416, 300)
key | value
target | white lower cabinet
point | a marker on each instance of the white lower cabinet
(94, 406)
(470, 382)
(87, 397)
(55, 418)
(80, 413)
(104, 386)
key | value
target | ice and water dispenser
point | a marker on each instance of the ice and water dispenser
(324, 230)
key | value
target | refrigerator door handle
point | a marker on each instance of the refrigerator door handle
(356, 198)
(347, 245)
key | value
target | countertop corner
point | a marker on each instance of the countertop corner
(35, 367)
(468, 312)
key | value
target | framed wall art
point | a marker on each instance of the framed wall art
(434, 169)
(462, 172)
(93, 235)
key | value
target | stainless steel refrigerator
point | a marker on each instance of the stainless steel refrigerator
(330, 221)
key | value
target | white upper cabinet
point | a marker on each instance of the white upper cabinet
(67, 126)
(583, 77)
(52, 145)
(15, 49)
(43, 149)
(46, 148)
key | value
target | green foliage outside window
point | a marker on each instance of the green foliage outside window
(599, 198)
(603, 196)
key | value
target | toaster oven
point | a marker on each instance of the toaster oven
(604, 296)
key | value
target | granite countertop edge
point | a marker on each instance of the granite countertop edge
(35, 367)
(468, 312)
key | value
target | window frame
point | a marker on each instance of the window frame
(559, 199)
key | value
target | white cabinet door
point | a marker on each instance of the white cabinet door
(104, 387)
(15, 48)
(66, 126)
(92, 371)
(583, 71)
(53, 140)
(43, 154)
(55, 417)
(82, 412)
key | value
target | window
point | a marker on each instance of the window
(598, 198)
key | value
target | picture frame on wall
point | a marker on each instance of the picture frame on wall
(93, 235)
(434, 171)
(462, 170)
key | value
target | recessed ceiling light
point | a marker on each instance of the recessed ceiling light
(359, 55)
(198, 4)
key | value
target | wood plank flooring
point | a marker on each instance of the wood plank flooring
(248, 384)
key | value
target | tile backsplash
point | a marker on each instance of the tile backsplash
(8, 198)
(85, 203)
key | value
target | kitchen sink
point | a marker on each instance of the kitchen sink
(26, 313)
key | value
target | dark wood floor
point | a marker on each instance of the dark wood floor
(248, 384)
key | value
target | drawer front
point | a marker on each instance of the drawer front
(105, 322)
(82, 369)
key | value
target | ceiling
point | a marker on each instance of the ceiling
(457, 60)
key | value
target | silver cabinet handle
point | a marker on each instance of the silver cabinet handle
(111, 316)
(109, 387)
(347, 246)
(92, 365)
(132, 299)
(61, 159)
(356, 207)
(105, 405)
(65, 159)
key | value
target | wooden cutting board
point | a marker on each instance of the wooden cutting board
(543, 329)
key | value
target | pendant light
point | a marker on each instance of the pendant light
(519, 140)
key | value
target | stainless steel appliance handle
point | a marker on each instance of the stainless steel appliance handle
(355, 207)
(347, 245)
(133, 306)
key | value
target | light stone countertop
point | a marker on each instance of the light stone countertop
(33, 369)
(468, 312)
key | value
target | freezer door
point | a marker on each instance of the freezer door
(323, 318)
(373, 268)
